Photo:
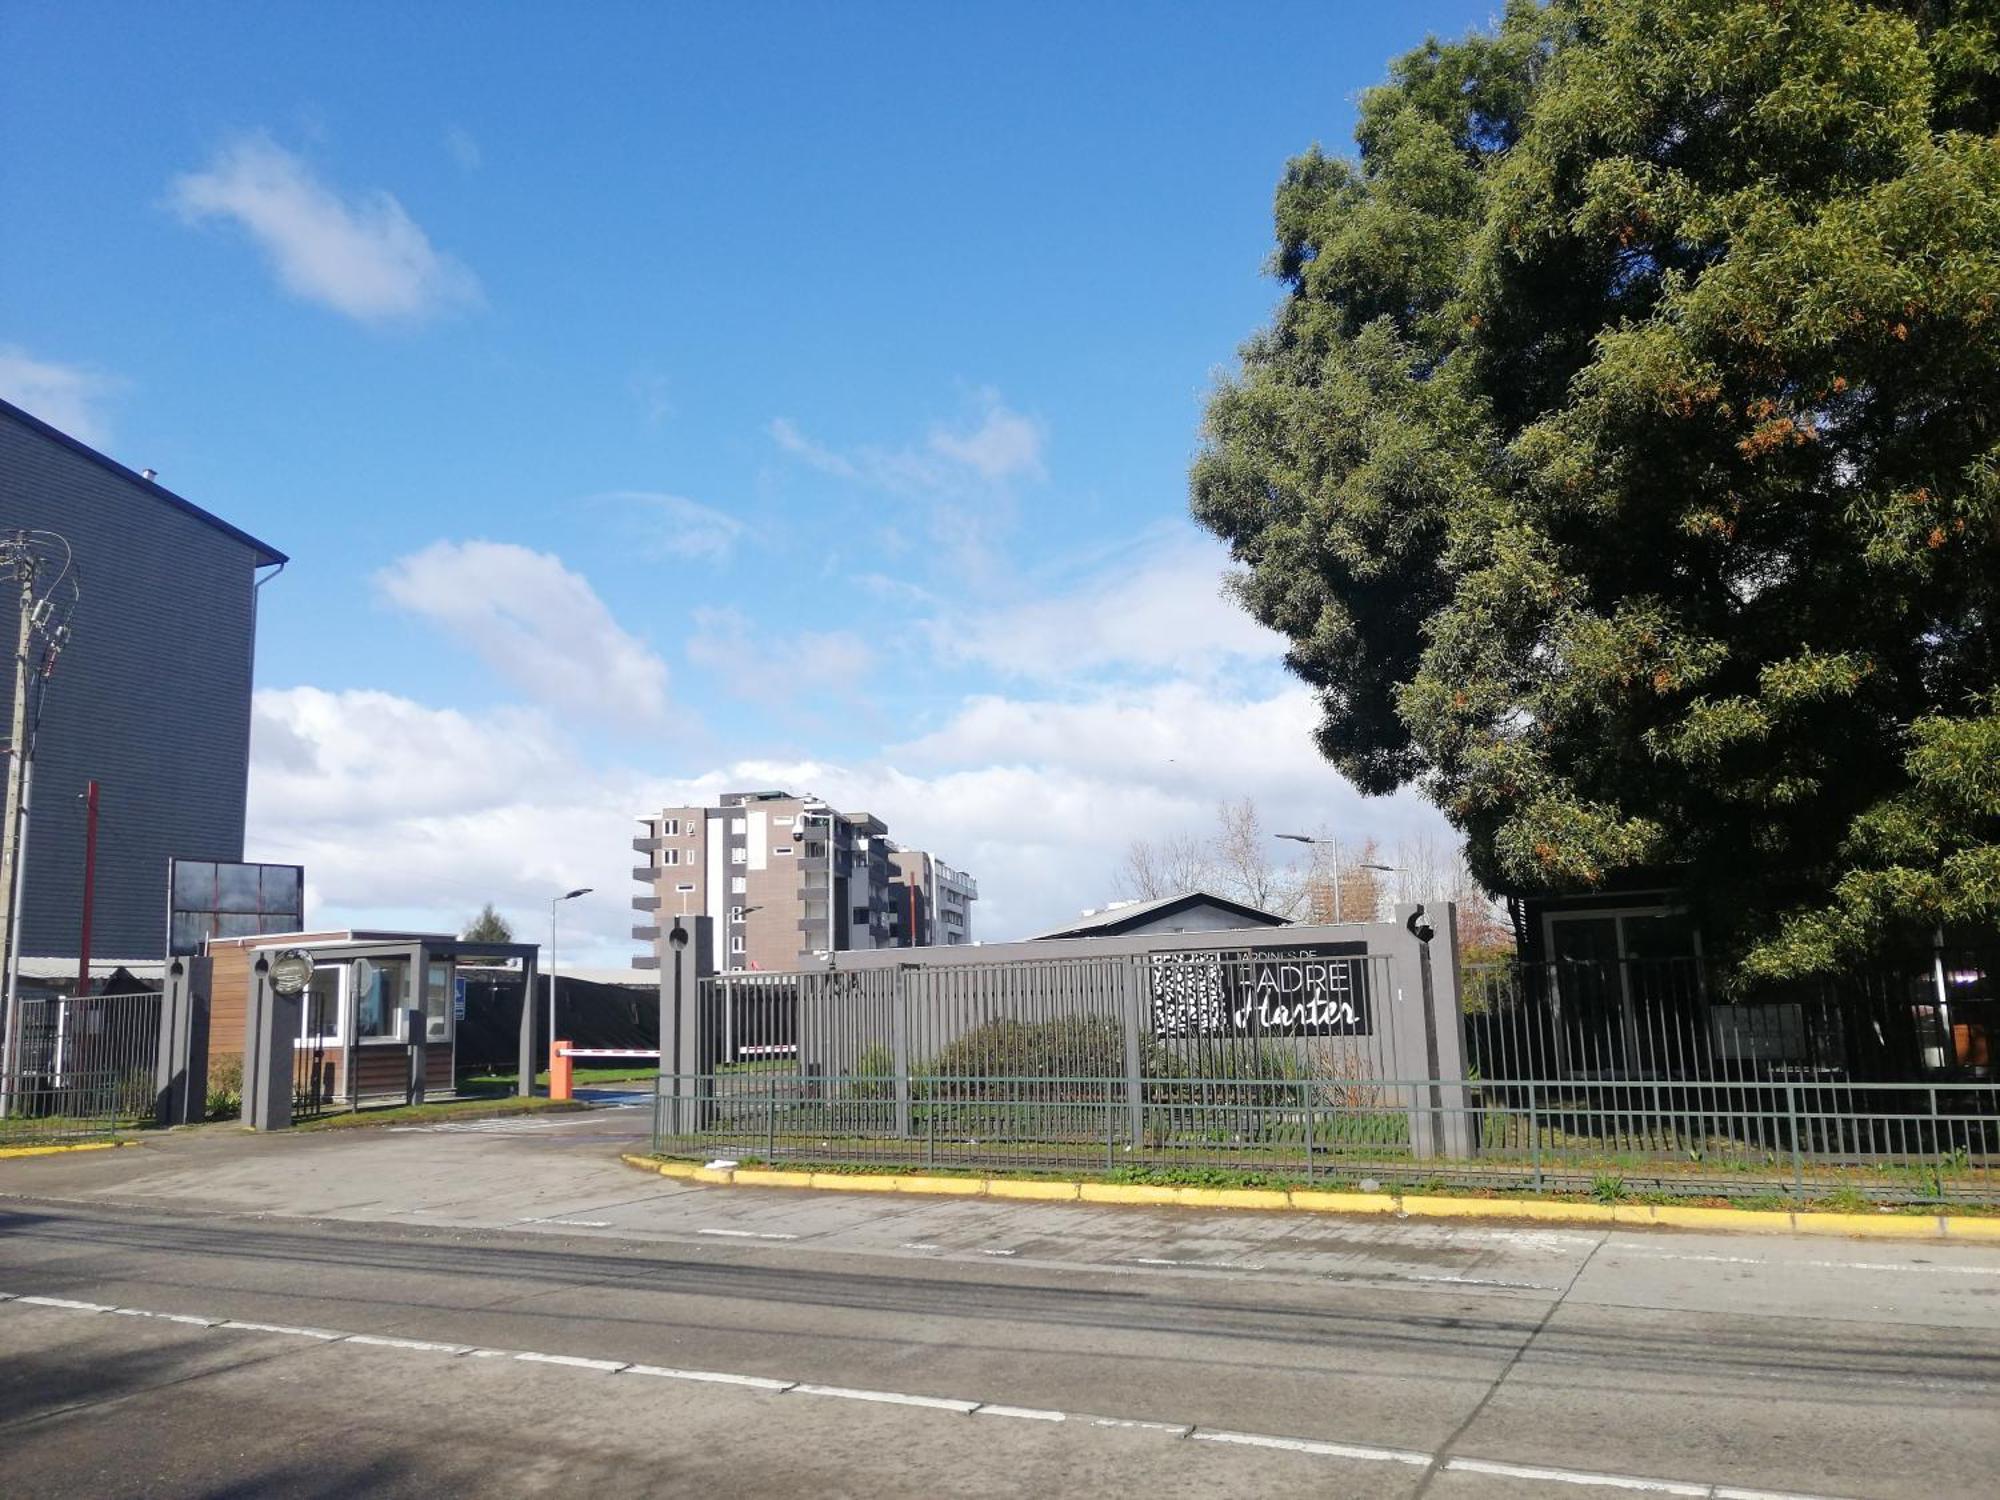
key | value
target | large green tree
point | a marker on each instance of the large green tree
(1622, 464)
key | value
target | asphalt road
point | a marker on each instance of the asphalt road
(1062, 1348)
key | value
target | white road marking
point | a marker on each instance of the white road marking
(891, 1398)
(999, 1252)
(916, 1245)
(195, 1319)
(296, 1332)
(1306, 1445)
(745, 1234)
(713, 1377)
(572, 1223)
(574, 1361)
(1576, 1476)
(1171, 1429)
(1195, 1265)
(1815, 1265)
(67, 1304)
(1026, 1413)
(422, 1346)
(1525, 1286)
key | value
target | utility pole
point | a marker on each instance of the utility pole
(22, 558)
(89, 887)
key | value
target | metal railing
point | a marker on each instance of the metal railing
(1800, 1139)
(86, 1067)
(1668, 1018)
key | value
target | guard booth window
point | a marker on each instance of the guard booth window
(437, 1001)
(382, 990)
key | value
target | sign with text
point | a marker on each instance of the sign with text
(1318, 991)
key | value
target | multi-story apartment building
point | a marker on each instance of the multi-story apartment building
(786, 877)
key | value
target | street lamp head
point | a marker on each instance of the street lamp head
(582, 890)
(1297, 838)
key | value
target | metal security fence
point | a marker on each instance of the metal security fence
(85, 1067)
(1668, 1018)
(1926, 1143)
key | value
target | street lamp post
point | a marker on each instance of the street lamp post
(554, 902)
(1334, 844)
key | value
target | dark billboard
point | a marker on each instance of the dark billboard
(219, 899)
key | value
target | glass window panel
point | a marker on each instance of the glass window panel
(437, 1001)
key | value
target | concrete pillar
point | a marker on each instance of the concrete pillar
(688, 1037)
(180, 1077)
(524, 1080)
(1427, 1031)
(270, 1026)
(413, 1019)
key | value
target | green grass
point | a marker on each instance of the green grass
(581, 1077)
(474, 1108)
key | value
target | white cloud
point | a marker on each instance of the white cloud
(1004, 444)
(463, 148)
(64, 396)
(999, 446)
(361, 255)
(675, 526)
(1158, 606)
(406, 815)
(536, 623)
(816, 662)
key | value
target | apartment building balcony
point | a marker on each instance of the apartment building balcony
(645, 903)
(646, 933)
(646, 843)
(647, 873)
(645, 960)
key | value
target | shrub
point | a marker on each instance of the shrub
(225, 1088)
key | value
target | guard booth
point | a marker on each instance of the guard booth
(375, 1001)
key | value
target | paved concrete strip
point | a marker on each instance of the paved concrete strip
(1359, 1452)
(1327, 1450)
(892, 1398)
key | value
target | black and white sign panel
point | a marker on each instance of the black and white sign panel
(1321, 991)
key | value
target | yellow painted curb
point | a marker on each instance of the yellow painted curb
(1872, 1226)
(1309, 1200)
(770, 1177)
(1126, 1192)
(1201, 1197)
(1970, 1229)
(1507, 1208)
(51, 1150)
(1313, 1201)
(842, 1182)
(1049, 1192)
(1763, 1220)
(955, 1187)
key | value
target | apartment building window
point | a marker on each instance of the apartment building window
(739, 855)
(738, 886)
(670, 827)
(736, 943)
(670, 856)
(685, 885)
(735, 913)
(739, 825)
(781, 848)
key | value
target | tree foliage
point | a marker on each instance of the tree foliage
(1621, 462)
(488, 927)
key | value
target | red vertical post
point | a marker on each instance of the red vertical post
(89, 887)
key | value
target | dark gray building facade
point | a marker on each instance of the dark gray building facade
(150, 698)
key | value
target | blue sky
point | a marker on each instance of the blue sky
(600, 367)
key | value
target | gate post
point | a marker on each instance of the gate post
(180, 1075)
(1134, 973)
(687, 1039)
(899, 1047)
(413, 1090)
(1427, 1026)
(270, 1025)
